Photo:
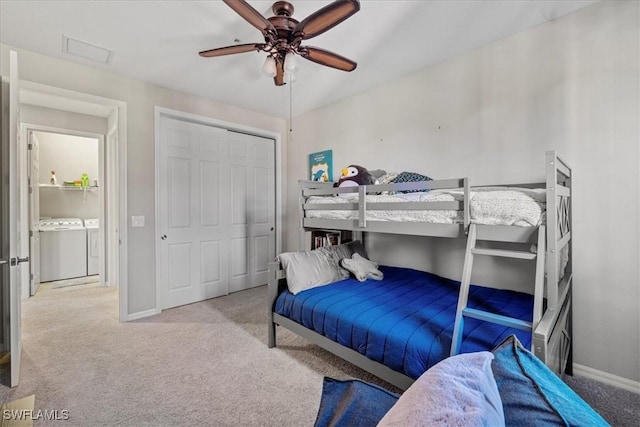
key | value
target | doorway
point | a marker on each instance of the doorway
(71, 113)
(65, 201)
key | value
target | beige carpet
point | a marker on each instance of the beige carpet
(204, 364)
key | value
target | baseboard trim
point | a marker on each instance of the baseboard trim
(604, 377)
(143, 314)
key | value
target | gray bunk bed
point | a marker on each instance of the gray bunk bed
(551, 326)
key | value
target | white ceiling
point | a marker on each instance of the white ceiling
(158, 42)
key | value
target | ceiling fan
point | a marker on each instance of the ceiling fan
(283, 36)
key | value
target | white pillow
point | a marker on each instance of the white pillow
(458, 391)
(306, 270)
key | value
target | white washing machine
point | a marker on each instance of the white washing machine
(63, 249)
(93, 245)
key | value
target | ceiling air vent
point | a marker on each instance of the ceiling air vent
(86, 50)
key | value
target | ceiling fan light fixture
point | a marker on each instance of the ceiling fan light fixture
(290, 63)
(269, 66)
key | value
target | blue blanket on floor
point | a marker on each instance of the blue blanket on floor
(406, 320)
(353, 403)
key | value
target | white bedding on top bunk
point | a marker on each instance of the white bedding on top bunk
(488, 205)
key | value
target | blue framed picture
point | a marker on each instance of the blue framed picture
(321, 166)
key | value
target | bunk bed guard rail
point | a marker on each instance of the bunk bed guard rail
(362, 206)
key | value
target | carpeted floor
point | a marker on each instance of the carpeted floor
(201, 364)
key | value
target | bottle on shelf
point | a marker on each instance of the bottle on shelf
(53, 180)
(85, 180)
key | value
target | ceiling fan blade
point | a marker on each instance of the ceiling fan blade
(326, 18)
(251, 15)
(230, 50)
(324, 57)
(279, 77)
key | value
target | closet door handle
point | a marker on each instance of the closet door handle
(163, 237)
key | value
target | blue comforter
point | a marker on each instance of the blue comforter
(406, 320)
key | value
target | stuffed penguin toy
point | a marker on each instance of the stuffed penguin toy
(355, 175)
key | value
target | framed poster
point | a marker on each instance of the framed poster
(321, 166)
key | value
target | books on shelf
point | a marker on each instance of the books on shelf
(326, 238)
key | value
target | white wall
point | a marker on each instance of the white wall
(141, 98)
(32, 114)
(69, 156)
(571, 85)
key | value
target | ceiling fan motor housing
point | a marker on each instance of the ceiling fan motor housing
(283, 22)
(283, 8)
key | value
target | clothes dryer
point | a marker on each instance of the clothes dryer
(63, 249)
(93, 245)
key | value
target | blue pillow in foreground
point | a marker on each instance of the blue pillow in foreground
(532, 395)
(353, 403)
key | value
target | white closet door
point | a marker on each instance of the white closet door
(252, 206)
(194, 239)
(216, 211)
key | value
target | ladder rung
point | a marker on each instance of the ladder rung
(504, 253)
(497, 318)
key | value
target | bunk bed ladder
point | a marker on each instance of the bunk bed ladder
(464, 311)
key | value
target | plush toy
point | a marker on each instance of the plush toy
(355, 175)
(362, 268)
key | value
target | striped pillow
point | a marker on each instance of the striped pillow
(410, 177)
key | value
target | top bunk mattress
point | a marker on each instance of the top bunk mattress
(522, 207)
(406, 320)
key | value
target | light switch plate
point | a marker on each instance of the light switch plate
(137, 221)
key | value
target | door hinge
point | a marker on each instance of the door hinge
(30, 146)
(30, 233)
(30, 190)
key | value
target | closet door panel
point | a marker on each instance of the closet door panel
(192, 183)
(254, 218)
(210, 194)
(179, 175)
(210, 256)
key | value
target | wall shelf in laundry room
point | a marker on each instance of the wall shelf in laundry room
(68, 187)
(71, 187)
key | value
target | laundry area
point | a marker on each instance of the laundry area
(67, 207)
